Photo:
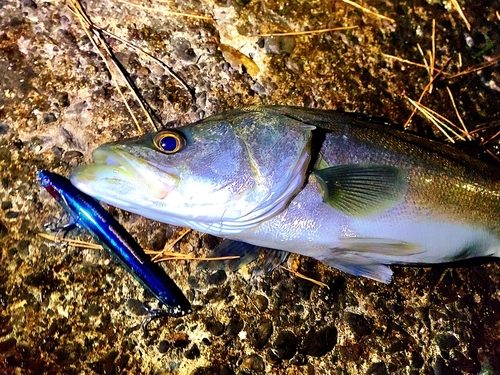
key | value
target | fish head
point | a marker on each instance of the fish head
(220, 175)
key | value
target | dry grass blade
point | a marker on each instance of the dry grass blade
(368, 10)
(458, 8)
(92, 32)
(298, 274)
(440, 121)
(71, 242)
(309, 32)
(166, 11)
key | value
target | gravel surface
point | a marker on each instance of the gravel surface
(74, 311)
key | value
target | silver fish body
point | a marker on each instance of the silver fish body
(354, 194)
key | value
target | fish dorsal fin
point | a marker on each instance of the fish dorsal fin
(362, 189)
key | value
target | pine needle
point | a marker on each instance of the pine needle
(70, 242)
(425, 91)
(298, 274)
(92, 32)
(150, 56)
(169, 246)
(94, 246)
(487, 64)
(465, 131)
(368, 10)
(457, 7)
(404, 61)
(309, 32)
(166, 11)
(440, 121)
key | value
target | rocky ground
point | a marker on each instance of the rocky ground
(74, 311)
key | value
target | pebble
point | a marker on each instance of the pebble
(446, 341)
(358, 324)
(193, 352)
(217, 277)
(285, 345)
(318, 343)
(261, 302)
(262, 334)
(254, 363)
(163, 346)
(181, 340)
(279, 45)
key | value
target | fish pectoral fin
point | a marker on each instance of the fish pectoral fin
(379, 246)
(246, 252)
(268, 259)
(362, 189)
(374, 271)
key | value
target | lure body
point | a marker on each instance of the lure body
(88, 214)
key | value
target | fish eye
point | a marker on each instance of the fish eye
(169, 141)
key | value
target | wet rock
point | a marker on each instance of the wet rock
(217, 277)
(193, 352)
(183, 49)
(234, 327)
(49, 117)
(12, 215)
(416, 360)
(318, 343)
(7, 345)
(3, 230)
(285, 345)
(377, 369)
(214, 327)
(6, 205)
(358, 324)
(299, 360)
(4, 129)
(261, 302)
(263, 333)
(136, 307)
(464, 364)
(277, 45)
(446, 341)
(29, 4)
(440, 368)
(253, 363)
(72, 157)
(163, 346)
(180, 340)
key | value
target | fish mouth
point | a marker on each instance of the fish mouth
(114, 169)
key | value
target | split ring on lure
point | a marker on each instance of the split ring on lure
(88, 214)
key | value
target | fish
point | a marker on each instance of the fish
(88, 214)
(347, 189)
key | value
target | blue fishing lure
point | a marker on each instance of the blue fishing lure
(88, 214)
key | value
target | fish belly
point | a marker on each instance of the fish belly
(399, 236)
